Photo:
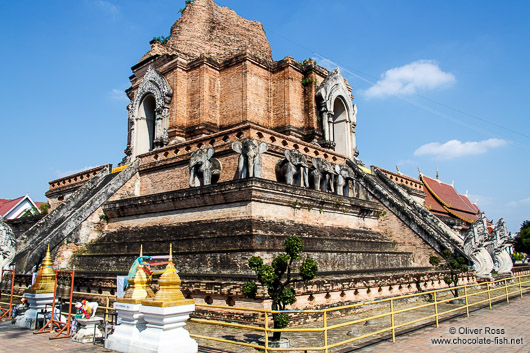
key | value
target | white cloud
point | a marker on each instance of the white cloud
(523, 202)
(107, 7)
(455, 148)
(408, 79)
(119, 95)
(63, 173)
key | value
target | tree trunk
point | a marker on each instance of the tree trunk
(276, 335)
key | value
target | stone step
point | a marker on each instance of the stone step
(56, 226)
(220, 243)
(235, 261)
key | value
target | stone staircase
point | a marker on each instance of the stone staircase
(433, 231)
(66, 217)
(200, 250)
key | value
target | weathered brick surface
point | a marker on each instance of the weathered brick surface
(406, 239)
(208, 29)
(166, 169)
(212, 95)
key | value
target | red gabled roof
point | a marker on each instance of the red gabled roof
(7, 205)
(443, 198)
(38, 204)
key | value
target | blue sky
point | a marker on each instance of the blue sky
(437, 84)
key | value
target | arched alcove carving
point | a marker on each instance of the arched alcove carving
(153, 85)
(337, 114)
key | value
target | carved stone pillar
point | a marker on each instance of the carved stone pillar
(331, 126)
(324, 121)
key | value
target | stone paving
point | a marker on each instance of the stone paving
(510, 320)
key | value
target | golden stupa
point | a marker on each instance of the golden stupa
(45, 281)
(169, 293)
(139, 287)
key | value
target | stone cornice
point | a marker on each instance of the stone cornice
(241, 191)
(179, 153)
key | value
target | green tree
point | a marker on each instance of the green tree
(278, 277)
(522, 240)
(32, 211)
(455, 264)
(44, 208)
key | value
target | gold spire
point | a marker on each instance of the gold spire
(45, 281)
(139, 286)
(169, 293)
(437, 175)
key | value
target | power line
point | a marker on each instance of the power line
(363, 77)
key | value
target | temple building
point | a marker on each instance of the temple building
(19, 207)
(446, 203)
(440, 198)
(228, 153)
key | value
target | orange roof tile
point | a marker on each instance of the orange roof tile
(443, 198)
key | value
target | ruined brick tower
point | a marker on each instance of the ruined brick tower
(228, 153)
(216, 71)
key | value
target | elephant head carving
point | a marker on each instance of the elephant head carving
(342, 181)
(292, 169)
(204, 170)
(322, 174)
(249, 163)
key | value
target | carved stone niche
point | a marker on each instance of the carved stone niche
(149, 115)
(204, 169)
(338, 115)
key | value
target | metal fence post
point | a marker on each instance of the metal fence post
(489, 294)
(467, 303)
(506, 290)
(266, 332)
(326, 331)
(436, 309)
(520, 287)
(392, 320)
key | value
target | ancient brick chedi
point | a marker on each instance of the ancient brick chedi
(228, 153)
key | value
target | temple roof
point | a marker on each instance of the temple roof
(7, 205)
(443, 199)
(213, 31)
(8, 208)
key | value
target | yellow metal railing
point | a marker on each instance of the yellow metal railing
(119, 169)
(107, 298)
(485, 293)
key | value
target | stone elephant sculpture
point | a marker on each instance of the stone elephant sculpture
(249, 163)
(292, 169)
(342, 180)
(204, 170)
(322, 175)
